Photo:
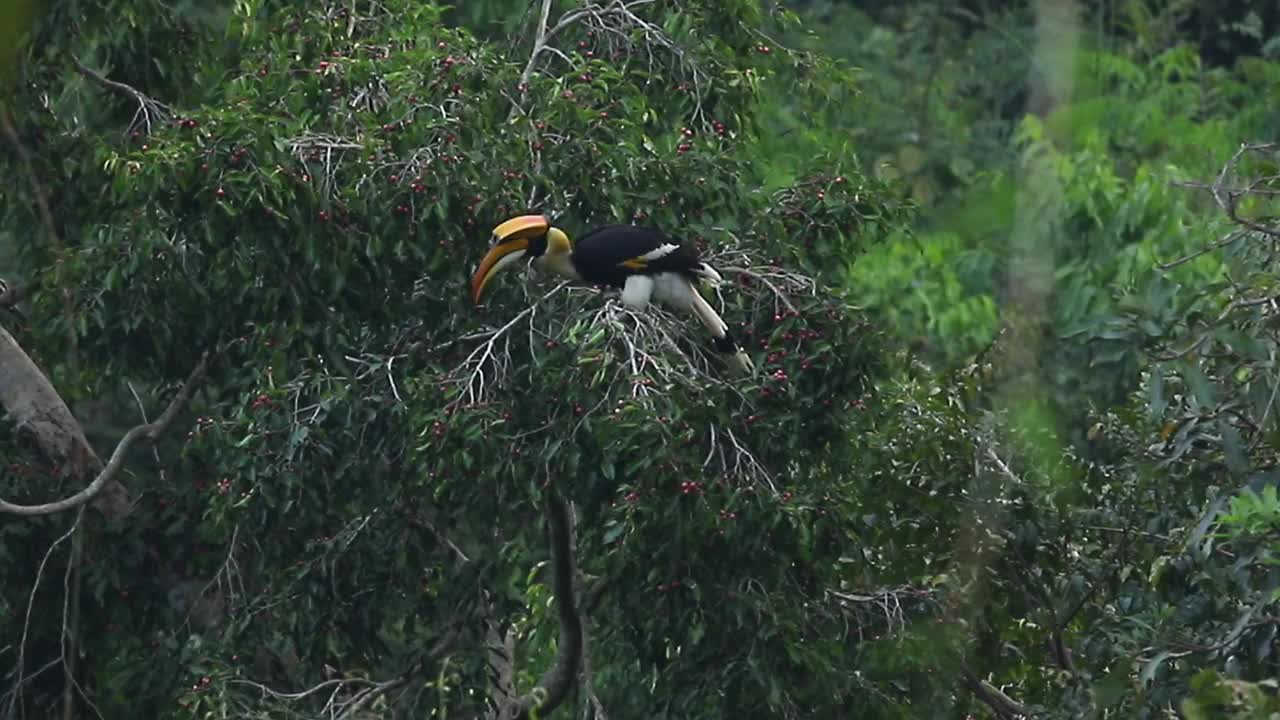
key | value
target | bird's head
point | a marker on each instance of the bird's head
(526, 237)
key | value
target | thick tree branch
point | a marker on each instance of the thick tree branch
(594, 709)
(559, 679)
(38, 412)
(995, 698)
(106, 476)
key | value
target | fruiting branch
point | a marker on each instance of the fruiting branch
(148, 431)
(616, 19)
(324, 148)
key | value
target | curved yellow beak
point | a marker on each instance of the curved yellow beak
(511, 242)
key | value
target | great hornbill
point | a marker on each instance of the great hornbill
(643, 262)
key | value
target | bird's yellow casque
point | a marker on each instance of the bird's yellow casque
(511, 242)
(644, 263)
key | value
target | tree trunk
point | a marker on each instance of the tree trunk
(39, 413)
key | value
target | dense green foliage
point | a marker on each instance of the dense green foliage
(1010, 450)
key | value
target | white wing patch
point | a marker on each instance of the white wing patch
(661, 251)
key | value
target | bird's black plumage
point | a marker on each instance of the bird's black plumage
(609, 254)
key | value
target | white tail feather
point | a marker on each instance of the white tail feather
(708, 273)
(719, 329)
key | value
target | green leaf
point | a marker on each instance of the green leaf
(613, 531)
(1149, 669)
(1156, 402)
(1201, 388)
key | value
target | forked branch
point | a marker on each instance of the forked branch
(148, 431)
(150, 111)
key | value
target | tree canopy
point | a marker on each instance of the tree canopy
(1007, 275)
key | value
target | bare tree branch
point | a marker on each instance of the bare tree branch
(995, 698)
(149, 431)
(1228, 198)
(150, 111)
(539, 42)
(617, 20)
(15, 695)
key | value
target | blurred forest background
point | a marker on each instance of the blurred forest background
(1008, 268)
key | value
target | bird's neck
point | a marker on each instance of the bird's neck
(561, 264)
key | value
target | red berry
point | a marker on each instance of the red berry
(220, 193)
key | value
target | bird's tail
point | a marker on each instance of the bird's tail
(720, 331)
(708, 274)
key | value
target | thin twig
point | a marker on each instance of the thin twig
(16, 693)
